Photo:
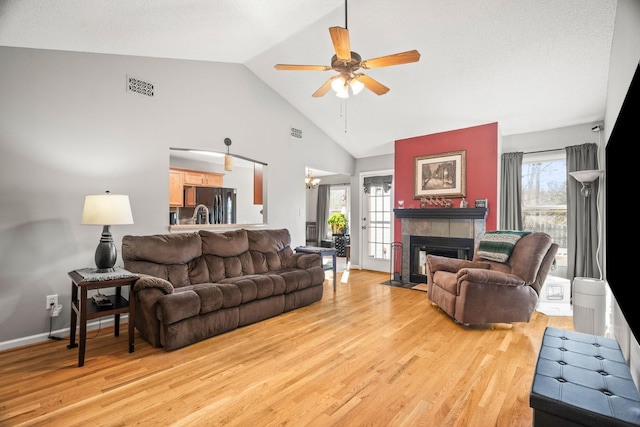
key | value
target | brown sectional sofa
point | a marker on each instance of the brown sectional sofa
(197, 285)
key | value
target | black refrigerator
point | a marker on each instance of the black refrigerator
(221, 203)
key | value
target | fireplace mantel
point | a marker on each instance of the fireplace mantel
(450, 213)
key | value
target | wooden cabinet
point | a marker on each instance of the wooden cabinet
(193, 178)
(176, 194)
(212, 179)
(257, 184)
(202, 179)
(182, 183)
(190, 197)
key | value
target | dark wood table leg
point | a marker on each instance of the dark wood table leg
(74, 316)
(116, 317)
(82, 307)
(334, 271)
(132, 318)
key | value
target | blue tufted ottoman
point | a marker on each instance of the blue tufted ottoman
(582, 380)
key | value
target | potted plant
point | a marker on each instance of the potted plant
(338, 223)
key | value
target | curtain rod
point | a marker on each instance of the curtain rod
(544, 151)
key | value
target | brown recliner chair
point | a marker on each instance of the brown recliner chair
(484, 292)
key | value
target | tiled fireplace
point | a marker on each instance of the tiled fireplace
(443, 231)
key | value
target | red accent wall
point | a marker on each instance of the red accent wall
(481, 146)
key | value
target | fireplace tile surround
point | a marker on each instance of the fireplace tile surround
(468, 223)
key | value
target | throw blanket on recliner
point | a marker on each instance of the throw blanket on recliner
(497, 245)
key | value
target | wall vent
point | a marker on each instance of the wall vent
(296, 133)
(141, 87)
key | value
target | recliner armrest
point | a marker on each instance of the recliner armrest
(441, 263)
(477, 275)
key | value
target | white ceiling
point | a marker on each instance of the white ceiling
(528, 65)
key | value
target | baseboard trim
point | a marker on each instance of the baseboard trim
(63, 333)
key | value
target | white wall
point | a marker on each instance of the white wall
(69, 128)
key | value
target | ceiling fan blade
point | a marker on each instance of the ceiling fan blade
(371, 84)
(340, 39)
(302, 67)
(324, 88)
(395, 59)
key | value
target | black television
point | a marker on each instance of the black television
(620, 226)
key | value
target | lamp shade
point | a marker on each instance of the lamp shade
(107, 209)
(589, 175)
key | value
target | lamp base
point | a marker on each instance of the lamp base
(106, 253)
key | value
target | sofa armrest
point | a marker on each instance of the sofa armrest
(304, 261)
(147, 291)
(151, 282)
(486, 276)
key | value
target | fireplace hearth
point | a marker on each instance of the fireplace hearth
(421, 246)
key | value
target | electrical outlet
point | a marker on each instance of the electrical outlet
(51, 300)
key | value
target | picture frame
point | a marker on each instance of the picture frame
(481, 203)
(440, 175)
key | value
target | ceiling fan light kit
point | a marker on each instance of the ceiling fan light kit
(346, 63)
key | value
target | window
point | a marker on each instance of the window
(544, 198)
(339, 200)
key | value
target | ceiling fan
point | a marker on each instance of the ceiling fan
(347, 64)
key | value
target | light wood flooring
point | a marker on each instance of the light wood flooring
(366, 355)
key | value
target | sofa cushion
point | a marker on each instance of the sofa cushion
(179, 305)
(226, 244)
(268, 240)
(523, 263)
(162, 248)
(270, 249)
(211, 298)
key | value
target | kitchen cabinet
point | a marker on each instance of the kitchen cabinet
(212, 179)
(193, 178)
(182, 183)
(202, 179)
(176, 193)
(190, 197)
(257, 184)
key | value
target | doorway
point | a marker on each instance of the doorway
(376, 214)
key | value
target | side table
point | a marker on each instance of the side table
(322, 252)
(83, 308)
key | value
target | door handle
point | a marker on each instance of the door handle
(364, 227)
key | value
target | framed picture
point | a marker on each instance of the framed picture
(441, 175)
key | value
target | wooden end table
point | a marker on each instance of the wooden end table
(84, 309)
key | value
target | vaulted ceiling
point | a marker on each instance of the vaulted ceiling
(528, 65)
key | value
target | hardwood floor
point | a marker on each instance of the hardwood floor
(366, 355)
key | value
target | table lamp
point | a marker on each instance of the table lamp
(106, 210)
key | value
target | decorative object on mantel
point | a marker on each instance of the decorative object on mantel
(435, 201)
(440, 175)
(464, 203)
(482, 203)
